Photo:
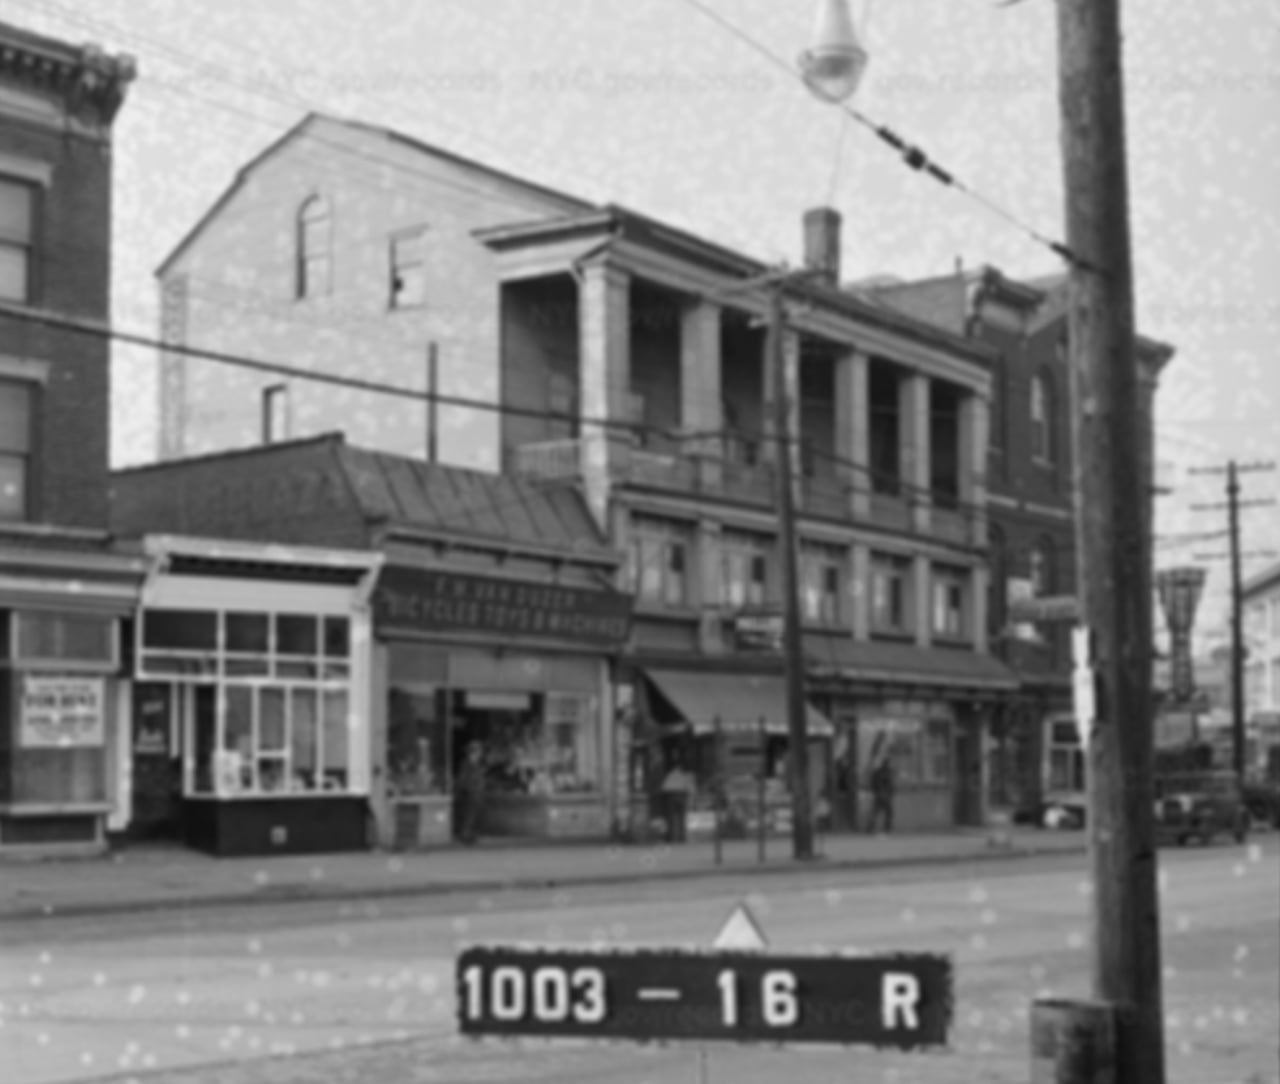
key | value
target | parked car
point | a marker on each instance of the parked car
(1200, 806)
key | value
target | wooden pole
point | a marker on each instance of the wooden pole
(1112, 536)
(793, 632)
(1237, 625)
(433, 404)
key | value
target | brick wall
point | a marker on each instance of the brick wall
(71, 270)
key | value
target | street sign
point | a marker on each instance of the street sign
(741, 931)
(1051, 608)
(899, 1001)
(1082, 683)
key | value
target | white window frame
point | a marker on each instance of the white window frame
(307, 285)
(1041, 419)
(414, 240)
(744, 570)
(663, 548)
(887, 570)
(952, 610)
(821, 598)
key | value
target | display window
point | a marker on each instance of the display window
(919, 749)
(418, 752)
(264, 699)
(534, 744)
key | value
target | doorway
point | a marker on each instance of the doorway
(157, 763)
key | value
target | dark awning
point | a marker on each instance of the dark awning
(874, 661)
(739, 701)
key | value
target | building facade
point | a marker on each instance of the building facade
(611, 353)
(429, 608)
(64, 591)
(1035, 753)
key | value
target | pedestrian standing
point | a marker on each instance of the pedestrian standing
(676, 789)
(470, 800)
(882, 788)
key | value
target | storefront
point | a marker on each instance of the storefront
(63, 598)
(250, 702)
(932, 712)
(517, 667)
(729, 732)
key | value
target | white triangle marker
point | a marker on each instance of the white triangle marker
(741, 931)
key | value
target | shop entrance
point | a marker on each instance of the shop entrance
(157, 763)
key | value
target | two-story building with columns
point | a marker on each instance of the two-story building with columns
(595, 347)
(1035, 752)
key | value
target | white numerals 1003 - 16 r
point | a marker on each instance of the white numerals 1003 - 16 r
(779, 1005)
(548, 995)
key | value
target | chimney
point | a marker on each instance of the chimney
(822, 243)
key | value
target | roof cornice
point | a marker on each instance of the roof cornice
(87, 82)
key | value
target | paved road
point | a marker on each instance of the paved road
(326, 994)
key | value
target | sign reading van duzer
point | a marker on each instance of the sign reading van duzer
(1180, 590)
(433, 600)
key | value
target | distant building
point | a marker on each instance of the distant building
(63, 590)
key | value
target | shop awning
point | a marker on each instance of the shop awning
(739, 701)
(907, 664)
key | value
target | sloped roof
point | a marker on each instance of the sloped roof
(411, 493)
(304, 130)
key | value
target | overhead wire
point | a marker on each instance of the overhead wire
(913, 156)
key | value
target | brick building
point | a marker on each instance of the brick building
(63, 590)
(355, 250)
(1029, 486)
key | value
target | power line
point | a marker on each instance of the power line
(910, 154)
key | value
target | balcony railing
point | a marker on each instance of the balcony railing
(697, 471)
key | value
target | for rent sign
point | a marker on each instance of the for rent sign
(61, 712)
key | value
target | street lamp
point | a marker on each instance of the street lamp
(833, 67)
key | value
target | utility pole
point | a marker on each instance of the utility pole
(802, 832)
(1113, 538)
(1233, 470)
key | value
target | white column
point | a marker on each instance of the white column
(701, 410)
(975, 436)
(860, 592)
(604, 375)
(914, 418)
(853, 430)
(922, 598)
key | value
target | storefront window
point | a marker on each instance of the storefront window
(535, 745)
(937, 751)
(417, 743)
(1066, 758)
(901, 739)
(571, 744)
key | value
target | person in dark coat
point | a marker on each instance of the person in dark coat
(471, 781)
(882, 787)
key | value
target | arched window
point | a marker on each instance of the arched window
(314, 243)
(1042, 418)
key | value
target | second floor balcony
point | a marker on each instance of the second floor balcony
(696, 467)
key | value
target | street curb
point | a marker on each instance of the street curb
(319, 893)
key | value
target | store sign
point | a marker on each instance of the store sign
(758, 630)
(61, 712)
(1180, 590)
(431, 600)
(1059, 608)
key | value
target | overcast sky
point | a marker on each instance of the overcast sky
(651, 104)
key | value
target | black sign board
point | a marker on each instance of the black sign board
(894, 1001)
(431, 600)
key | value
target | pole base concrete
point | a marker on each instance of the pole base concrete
(1073, 1042)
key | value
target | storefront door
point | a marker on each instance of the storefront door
(968, 774)
(157, 762)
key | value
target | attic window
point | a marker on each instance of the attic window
(408, 270)
(315, 243)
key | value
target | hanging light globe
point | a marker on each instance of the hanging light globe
(833, 66)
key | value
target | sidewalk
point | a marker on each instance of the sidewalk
(153, 878)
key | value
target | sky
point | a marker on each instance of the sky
(655, 105)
